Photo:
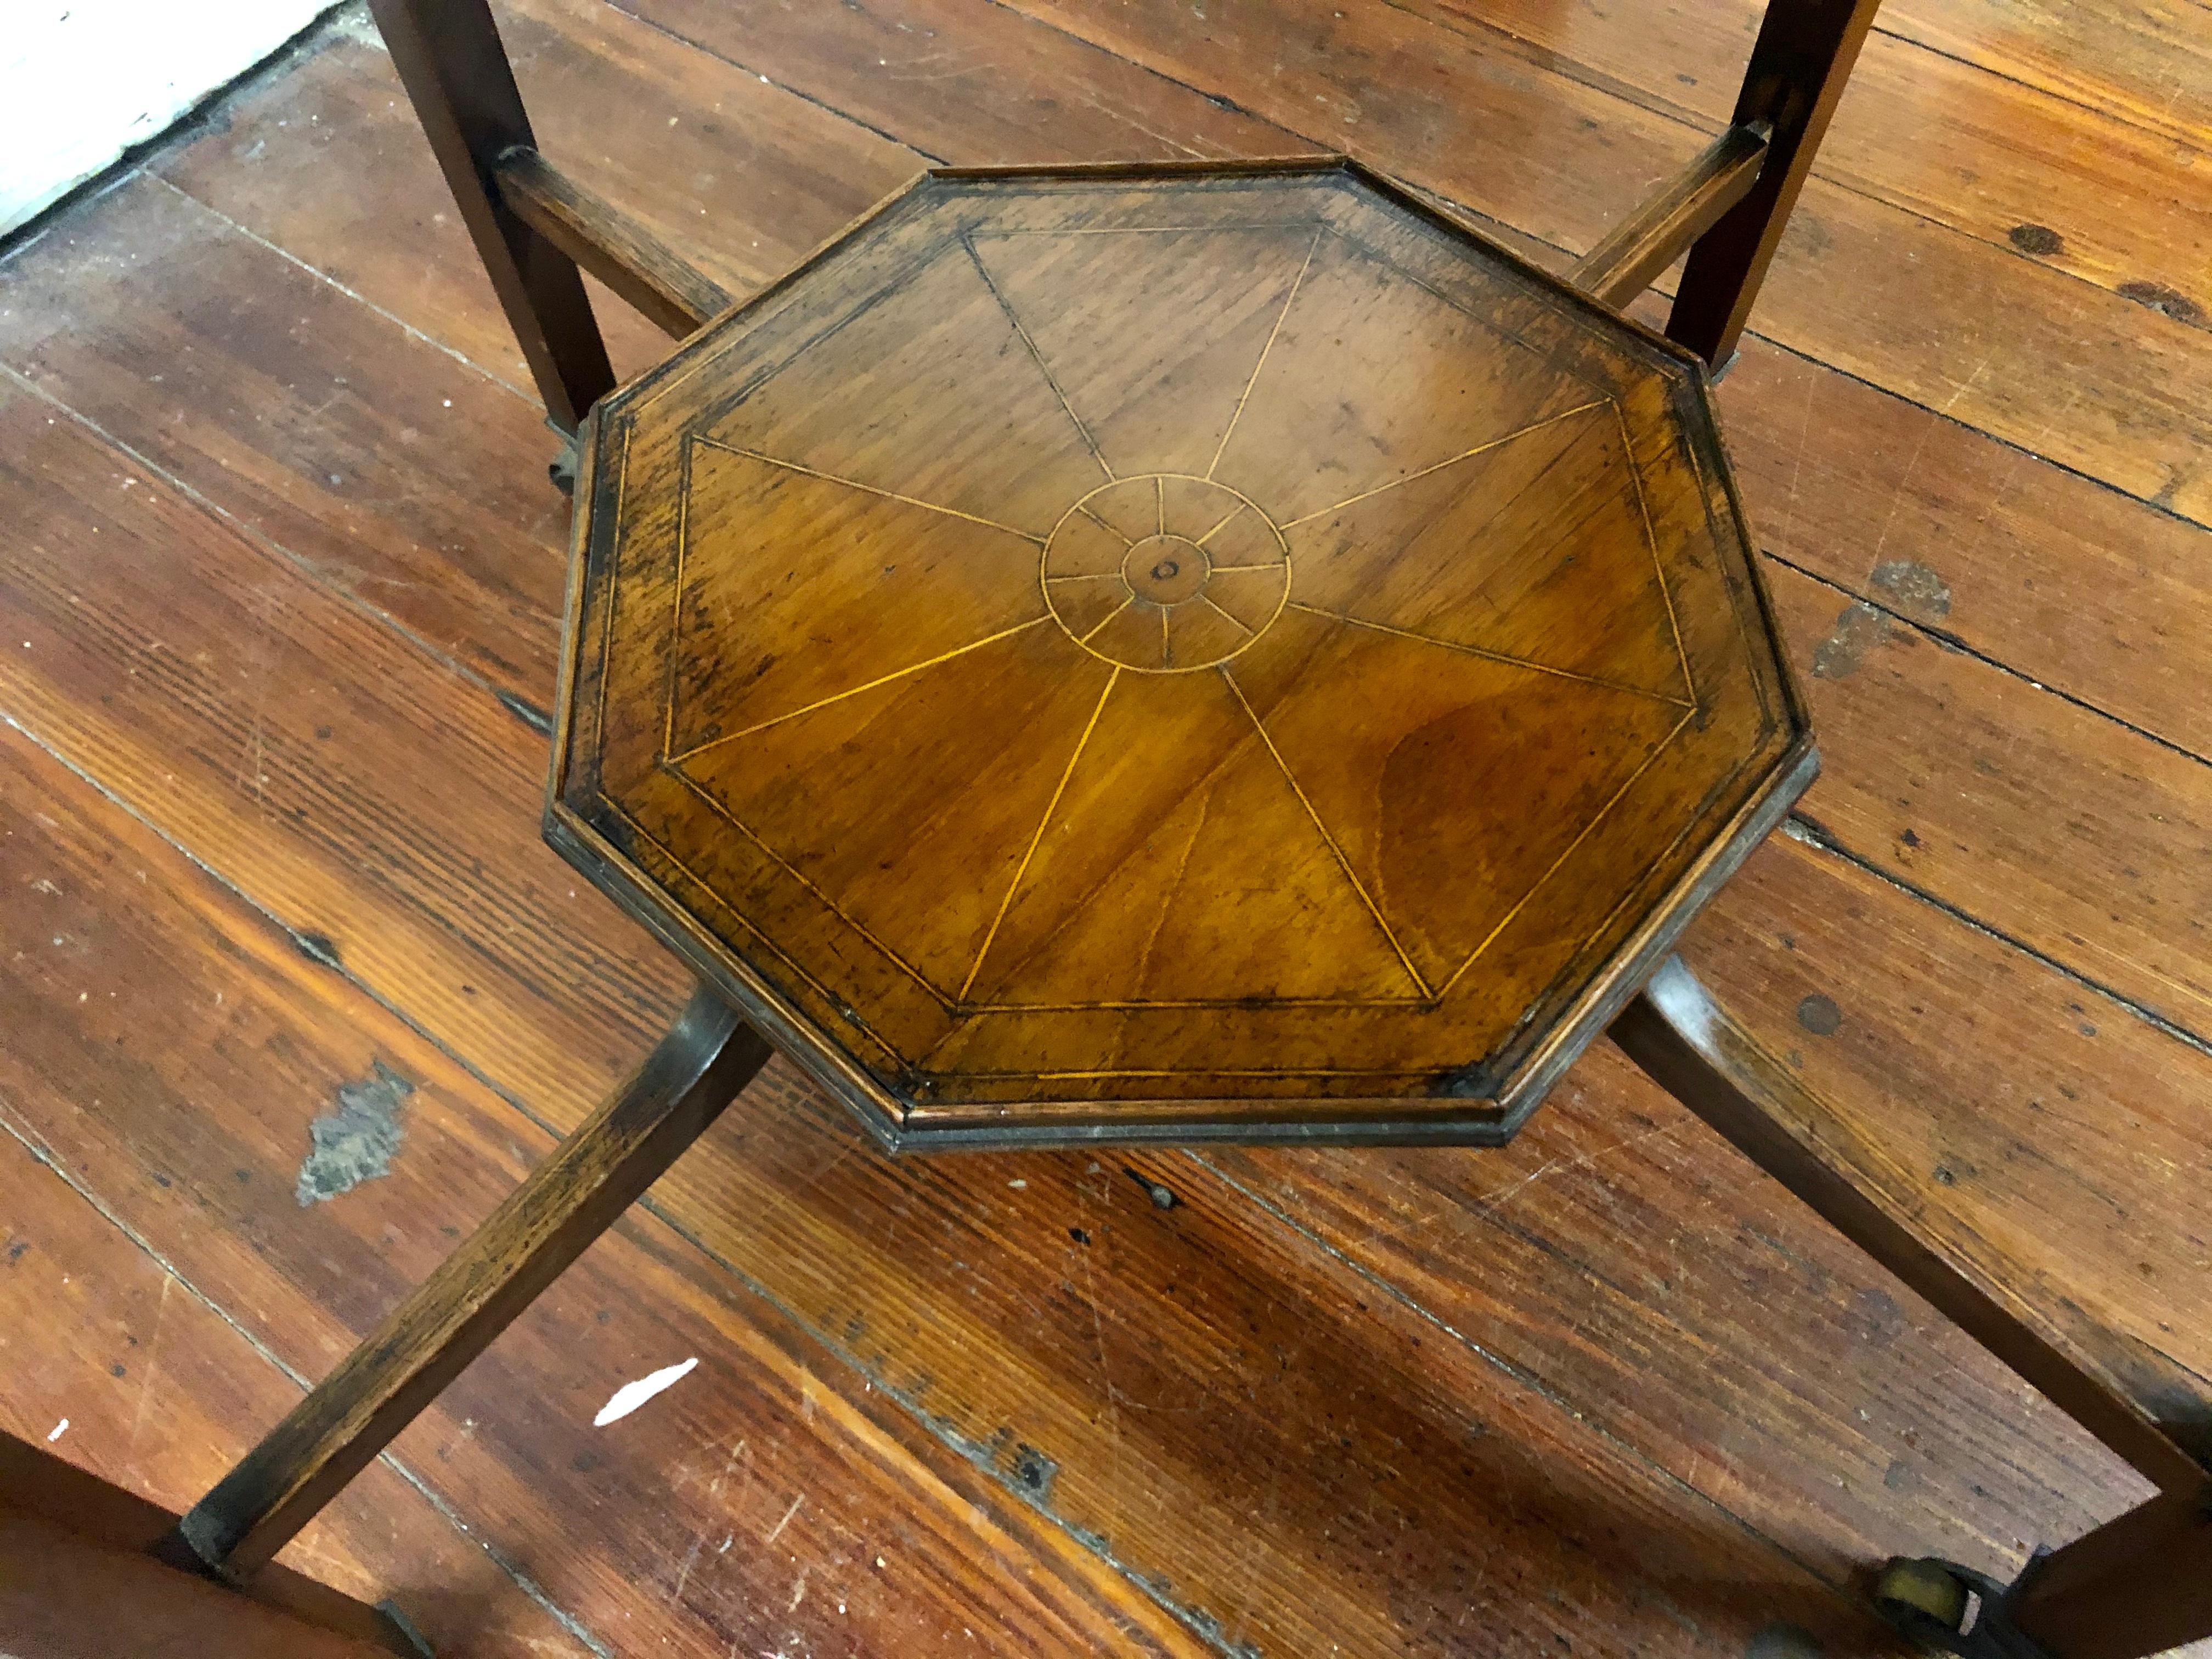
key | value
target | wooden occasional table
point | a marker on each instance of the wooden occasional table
(1102, 655)
(1206, 652)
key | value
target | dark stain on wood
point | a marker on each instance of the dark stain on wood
(2167, 302)
(1163, 1196)
(1917, 591)
(1034, 1473)
(358, 1140)
(1859, 628)
(1820, 1015)
(538, 719)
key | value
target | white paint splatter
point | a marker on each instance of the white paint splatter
(60, 1428)
(628, 1397)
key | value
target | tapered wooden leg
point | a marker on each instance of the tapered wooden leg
(1799, 64)
(2132, 1588)
(2137, 1586)
(455, 69)
(596, 1174)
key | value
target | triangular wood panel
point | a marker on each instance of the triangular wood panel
(1147, 332)
(1535, 549)
(1452, 783)
(1178, 825)
(927, 392)
(953, 803)
(955, 581)
(1338, 407)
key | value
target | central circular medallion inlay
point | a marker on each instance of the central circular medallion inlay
(1165, 573)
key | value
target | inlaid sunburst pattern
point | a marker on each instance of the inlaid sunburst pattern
(1112, 614)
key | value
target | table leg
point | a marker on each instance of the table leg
(2136, 1586)
(545, 1223)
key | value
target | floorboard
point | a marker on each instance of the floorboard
(127, 1371)
(754, 1500)
(279, 597)
(2012, 165)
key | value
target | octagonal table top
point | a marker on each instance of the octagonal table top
(1168, 652)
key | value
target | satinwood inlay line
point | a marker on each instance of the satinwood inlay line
(1488, 656)
(1451, 460)
(1030, 852)
(891, 954)
(854, 691)
(1567, 851)
(1044, 368)
(1142, 230)
(1335, 851)
(1289, 300)
(1478, 761)
(707, 889)
(1102, 524)
(1651, 541)
(853, 484)
(1177, 581)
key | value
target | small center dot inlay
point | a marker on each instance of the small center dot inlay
(1165, 573)
(1166, 570)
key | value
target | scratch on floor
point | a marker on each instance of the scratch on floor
(690, 1560)
(1491, 1207)
(778, 1531)
(148, 1371)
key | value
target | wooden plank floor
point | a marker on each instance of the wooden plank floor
(280, 581)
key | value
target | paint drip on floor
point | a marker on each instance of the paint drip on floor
(628, 1397)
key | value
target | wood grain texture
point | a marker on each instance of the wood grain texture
(1964, 781)
(2023, 168)
(1931, 1463)
(193, 999)
(2144, 63)
(63, 1595)
(2142, 1586)
(1114, 1431)
(2102, 1127)
(1754, 1100)
(986, 1385)
(155, 1384)
(533, 1236)
(810, 1216)
(662, 285)
(121, 672)
(2072, 584)
(1908, 304)
(1279, 711)
(1608, 1251)
(1643, 244)
(968, 83)
(42, 1487)
(293, 411)
(746, 179)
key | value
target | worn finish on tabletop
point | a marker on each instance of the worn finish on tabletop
(1622, 1256)
(1125, 654)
